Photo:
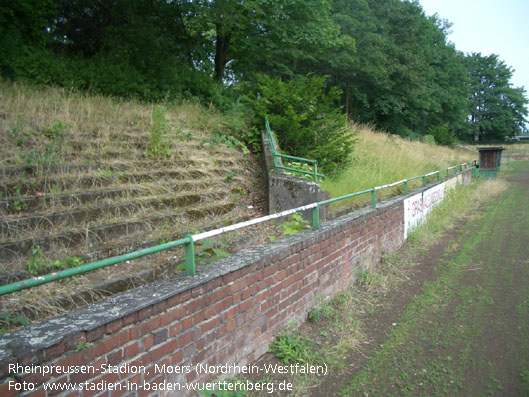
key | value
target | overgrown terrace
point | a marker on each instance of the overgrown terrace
(83, 178)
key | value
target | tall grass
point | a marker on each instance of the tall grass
(379, 159)
(86, 112)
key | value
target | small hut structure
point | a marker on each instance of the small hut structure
(489, 161)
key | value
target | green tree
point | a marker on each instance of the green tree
(23, 27)
(404, 77)
(306, 119)
(497, 110)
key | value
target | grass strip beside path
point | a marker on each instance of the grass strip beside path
(467, 332)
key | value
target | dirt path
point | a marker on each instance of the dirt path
(464, 328)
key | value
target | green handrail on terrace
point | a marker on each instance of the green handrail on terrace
(276, 154)
(188, 241)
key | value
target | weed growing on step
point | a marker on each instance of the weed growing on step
(17, 204)
(66, 263)
(230, 141)
(17, 133)
(36, 263)
(43, 156)
(81, 346)
(160, 145)
(229, 177)
(56, 130)
(211, 251)
(44, 152)
(294, 225)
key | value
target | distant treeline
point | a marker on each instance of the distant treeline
(391, 64)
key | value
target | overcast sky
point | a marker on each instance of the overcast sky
(498, 27)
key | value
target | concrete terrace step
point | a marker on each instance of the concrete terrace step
(89, 238)
(22, 205)
(101, 179)
(17, 226)
(21, 171)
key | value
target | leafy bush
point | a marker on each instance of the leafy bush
(305, 118)
(429, 139)
(442, 134)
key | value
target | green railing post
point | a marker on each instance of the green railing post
(406, 186)
(316, 172)
(316, 217)
(189, 248)
(438, 175)
(373, 198)
(423, 180)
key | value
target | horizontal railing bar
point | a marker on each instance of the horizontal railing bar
(74, 271)
(390, 185)
(296, 170)
(286, 156)
(432, 173)
(329, 201)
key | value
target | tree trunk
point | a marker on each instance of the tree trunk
(348, 99)
(221, 52)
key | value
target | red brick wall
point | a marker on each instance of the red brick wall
(228, 313)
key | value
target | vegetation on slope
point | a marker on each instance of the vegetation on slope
(380, 159)
(86, 177)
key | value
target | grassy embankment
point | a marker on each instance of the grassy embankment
(84, 177)
(380, 159)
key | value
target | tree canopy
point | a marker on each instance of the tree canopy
(496, 109)
(388, 63)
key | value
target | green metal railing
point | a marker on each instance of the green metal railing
(189, 241)
(278, 155)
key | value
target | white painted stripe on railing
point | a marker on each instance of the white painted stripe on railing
(390, 185)
(431, 173)
(211, 233)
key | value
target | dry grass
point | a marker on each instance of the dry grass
(114, 137)
(92, 114)
(98, 128)
(380, 159)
